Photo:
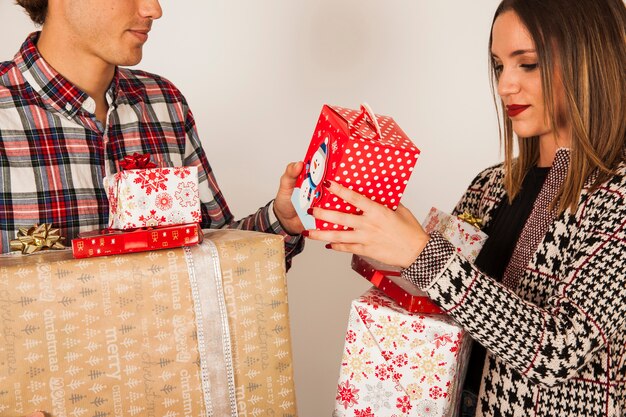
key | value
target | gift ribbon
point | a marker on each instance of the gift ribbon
(36, 238)
(474, 221)
(137, 161)
(366, 110)
(217, 372)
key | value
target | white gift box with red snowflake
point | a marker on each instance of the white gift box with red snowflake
(153, 197)
(466, 238)
(399, 364)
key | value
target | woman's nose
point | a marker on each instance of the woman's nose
(508, 83)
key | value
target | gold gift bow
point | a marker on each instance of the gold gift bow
(474, 221)
(36, 238)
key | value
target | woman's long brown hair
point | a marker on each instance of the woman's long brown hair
(585, 41)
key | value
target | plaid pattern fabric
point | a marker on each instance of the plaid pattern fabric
(556, 341)
(54, 153)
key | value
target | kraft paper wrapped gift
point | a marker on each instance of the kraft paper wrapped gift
(399, 364)
(200, 331)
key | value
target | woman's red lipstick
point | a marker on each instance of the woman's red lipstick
(514, 109)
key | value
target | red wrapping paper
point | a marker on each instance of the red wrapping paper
(114, 242)
(387, 279)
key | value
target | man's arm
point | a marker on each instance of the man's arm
(277, 217)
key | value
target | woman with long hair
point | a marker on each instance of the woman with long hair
(546, 298)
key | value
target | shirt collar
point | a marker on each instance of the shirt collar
(55, 90)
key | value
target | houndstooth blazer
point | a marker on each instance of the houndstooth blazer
(557, 341)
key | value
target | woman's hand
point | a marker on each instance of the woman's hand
(393, 237)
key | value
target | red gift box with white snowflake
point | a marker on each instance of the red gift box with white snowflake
(151, 196)
(400, 364)
(367, 153)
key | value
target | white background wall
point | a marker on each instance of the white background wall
(257, 73)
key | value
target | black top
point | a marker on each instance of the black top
(503, 231)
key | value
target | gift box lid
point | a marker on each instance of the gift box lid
(364, 124)
(389, 280)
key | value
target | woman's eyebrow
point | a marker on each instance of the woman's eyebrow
(517, 52)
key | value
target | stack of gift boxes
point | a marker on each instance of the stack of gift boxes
(150, 208)
(402, 356)
(195, 329)
(204, 329)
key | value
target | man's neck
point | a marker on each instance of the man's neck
(88, 72)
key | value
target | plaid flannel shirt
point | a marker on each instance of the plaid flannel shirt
(54, 153)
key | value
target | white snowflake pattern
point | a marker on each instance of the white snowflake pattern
(377, 397)
(427, 408)
(152, 179)
(176, 217)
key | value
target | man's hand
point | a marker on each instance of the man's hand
(283, 208)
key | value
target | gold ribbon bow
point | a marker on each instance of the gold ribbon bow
(36, 238)
(474, 221)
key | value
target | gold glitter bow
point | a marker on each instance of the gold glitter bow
(36, 238)
(474, 221)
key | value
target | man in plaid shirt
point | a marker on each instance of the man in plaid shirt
(69, 114)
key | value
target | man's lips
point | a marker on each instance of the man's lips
(514, 109)
(141, 34)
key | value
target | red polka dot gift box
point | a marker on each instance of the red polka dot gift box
(367, 153)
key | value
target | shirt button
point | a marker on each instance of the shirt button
(68, 107)
(89, 105)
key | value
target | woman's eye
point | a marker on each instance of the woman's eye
(529, 67)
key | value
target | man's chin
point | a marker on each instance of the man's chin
(130, 60)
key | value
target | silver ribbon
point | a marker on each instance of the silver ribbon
(217, 376)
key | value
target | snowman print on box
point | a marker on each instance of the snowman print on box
(310, 189)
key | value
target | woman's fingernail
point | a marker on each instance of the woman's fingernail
(328, 246)
(309, 211)
(326, 183)
(305, 233)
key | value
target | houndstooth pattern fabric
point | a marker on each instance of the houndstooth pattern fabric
(556, 341)
(432, 260)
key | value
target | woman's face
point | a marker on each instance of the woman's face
(519, 78)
